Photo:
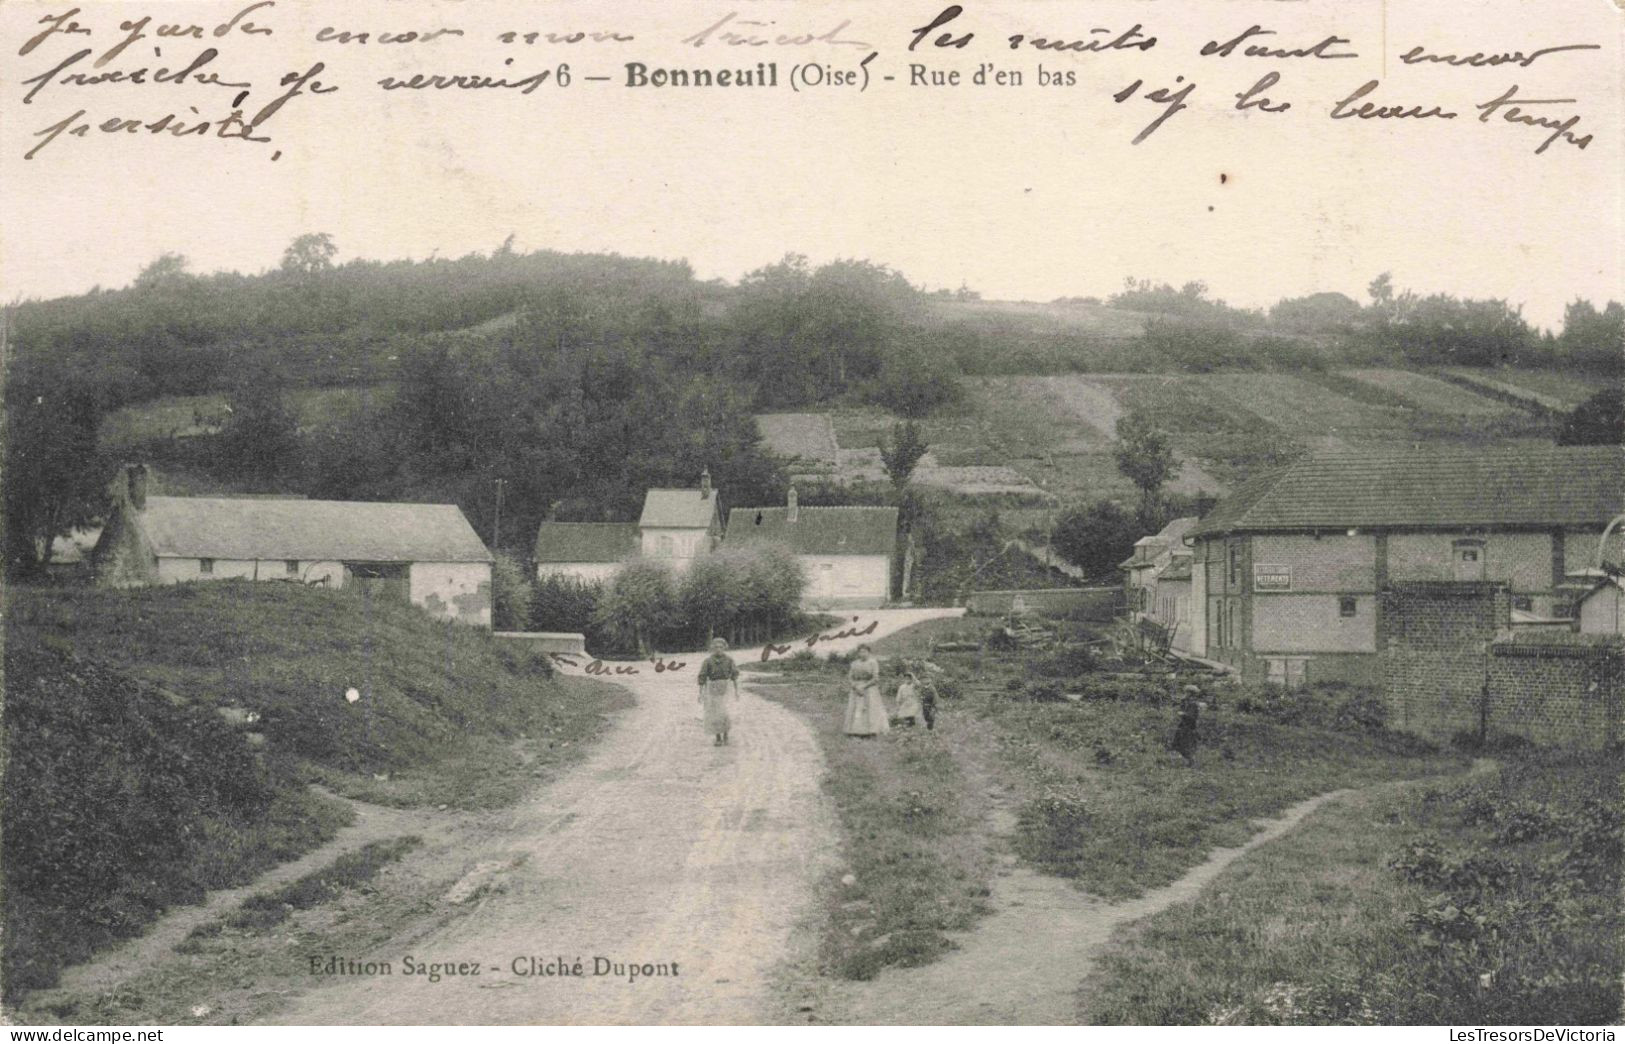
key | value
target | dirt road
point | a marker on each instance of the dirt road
(660, 849)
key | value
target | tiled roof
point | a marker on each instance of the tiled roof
(677, 509)
(310, 530)
(816, 530)
(586, 541)
(1431, 488)
(1178, 569)
(1174, 532)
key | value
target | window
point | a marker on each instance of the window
(664, 547)
(1468, 556)
(1523, 603)
(205, 566)
(291, 567)
(1348, 605)
(1235, 564)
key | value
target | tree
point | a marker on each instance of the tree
(900, 456)
(708, 595)
(309, 254)
(639, 603)
(914, 380)
(1316, 312)
(1145, 457)
(1095, 538)
(53, 470)
(902, 453)
(260, 436)
(1599, 421)
(166, 270)
(513, 596)
(1592, 339)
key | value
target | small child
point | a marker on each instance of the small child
(909, 709)
(928, 704)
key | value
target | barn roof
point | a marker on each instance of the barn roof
(586, 541)
(678, 509)
(1431, 488)
(310, 530)
(816, 530)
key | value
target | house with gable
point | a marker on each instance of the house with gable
(1157, 580)
(588, 552)
(424, 554)
(847, 553)
(1290, 571)
(676, 527)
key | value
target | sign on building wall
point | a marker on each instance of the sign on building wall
(1272, 578)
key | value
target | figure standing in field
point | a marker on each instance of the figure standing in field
(909, 710)
(719, 684)
(865, 707)
(1190, 706)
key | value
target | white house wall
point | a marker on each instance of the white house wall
(685, 546)
(1601, 613)
(846, 581)
(453, 590)
(181, 570)
(1523, 560)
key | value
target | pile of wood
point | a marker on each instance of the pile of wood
(1026, 632)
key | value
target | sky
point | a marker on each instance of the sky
(1028, 192)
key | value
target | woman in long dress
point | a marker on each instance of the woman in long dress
(865, 708)
(719, 683)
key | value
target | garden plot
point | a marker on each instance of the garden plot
(1432, 394)
(969, 480)
(1559, 392)
(1296, 405)
(807, 439)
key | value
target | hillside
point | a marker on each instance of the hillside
(159, 742)
(577, 382)
(1048, 439)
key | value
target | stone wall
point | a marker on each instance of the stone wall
(1435, 642)
(1451, 665)
(1089, 603)
(1557, 689)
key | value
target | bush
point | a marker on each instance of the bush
(913, 382)
(564, 603)
(513, 597)
(112, 795)
(639, 604)
(1069, 661)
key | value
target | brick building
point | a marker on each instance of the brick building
(1288, 571)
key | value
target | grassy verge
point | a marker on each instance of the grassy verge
(1489, 900)
(245, 975)
(159, 742)
(1105, 803)
(914, 843)
(268, 909)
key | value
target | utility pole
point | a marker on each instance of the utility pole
(496, 525)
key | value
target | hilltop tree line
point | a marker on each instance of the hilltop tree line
(580, 380)
(1194, 332)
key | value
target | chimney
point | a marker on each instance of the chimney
(705, 484)
(790, 513)
(135, 477)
